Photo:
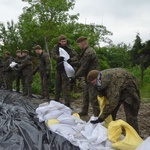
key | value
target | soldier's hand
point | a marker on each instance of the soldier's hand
(69, 61)
(97, 121)
(72, 80)
(60, 59)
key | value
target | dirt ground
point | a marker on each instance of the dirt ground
(143, 117)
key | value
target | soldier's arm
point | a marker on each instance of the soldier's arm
(36, 70)
(111, 103)
(54, 54)
(73, 56)
(47, 62)
(84, 66)
(24, 63)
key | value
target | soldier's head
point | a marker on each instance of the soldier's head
(24, 52)
(62, 40)
(18, 53)
(38, 49)
(7, 54)
(92, 76)
(82, 42)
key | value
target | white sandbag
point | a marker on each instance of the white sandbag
(145, 145)
(69, 69)
(52, 115)
(64, 54)
(66, 119)
(13, 64)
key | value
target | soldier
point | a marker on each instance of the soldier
(1, 72)
(88, 61)
(19, 76)
(27, 68)
(44, 68)
(61, 79)
(8, 72)
(119, 87)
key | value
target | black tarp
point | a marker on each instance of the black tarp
(20, 128)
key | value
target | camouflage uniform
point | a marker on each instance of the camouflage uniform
(19, 74)
(8, 73)
(27, 67)
(88, 61)
(120, 87)
(1, 72)
(61, 79)
(44, 68)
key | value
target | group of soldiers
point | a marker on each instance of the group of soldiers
(117, 85)
(23, 72)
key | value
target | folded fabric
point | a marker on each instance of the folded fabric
(13, 64)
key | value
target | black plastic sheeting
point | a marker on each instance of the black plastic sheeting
(20, 128)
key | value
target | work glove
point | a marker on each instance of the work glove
(99, 120)
(72, 80)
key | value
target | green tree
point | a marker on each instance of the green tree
(135, 50)
(9, 37)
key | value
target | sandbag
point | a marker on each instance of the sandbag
(145, 145)
(131, 140)
(68, 68)
(102, 102)
(64, 54)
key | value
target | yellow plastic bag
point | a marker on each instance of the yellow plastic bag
(76, 115)
(102, 103)
(131, 140)
(52, 121)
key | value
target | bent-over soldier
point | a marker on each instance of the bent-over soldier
(119, 87)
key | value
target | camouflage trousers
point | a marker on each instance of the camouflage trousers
(90, 96)
(19, 78)
(45, 81)
(8, 80)
(62, 84)
(131, 102)
(27, 85)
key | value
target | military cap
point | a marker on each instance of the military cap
(92, 75)
(81, 38)
(37, 47)
(62, 37)
(25, 51)
(7, 52)
(18, 51)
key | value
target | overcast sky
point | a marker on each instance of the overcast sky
(124, 18)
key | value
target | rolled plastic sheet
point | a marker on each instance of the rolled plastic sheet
(20, 128)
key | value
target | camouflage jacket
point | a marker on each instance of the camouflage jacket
(26, 66)
(44, 65)
(88, 61)
(55, 53)
(18, 60)
(117, 84)
(7, 62)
